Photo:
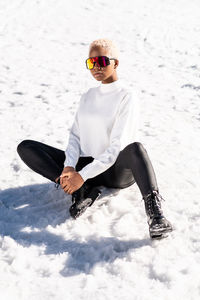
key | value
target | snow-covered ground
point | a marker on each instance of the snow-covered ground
(106, 253)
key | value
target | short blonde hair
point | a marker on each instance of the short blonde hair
(109, 45)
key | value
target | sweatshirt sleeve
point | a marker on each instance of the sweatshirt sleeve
(73, 149)
(127, 115)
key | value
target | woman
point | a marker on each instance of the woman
(102, 148)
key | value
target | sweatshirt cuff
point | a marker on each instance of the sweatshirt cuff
(83, 175)
(69, 165)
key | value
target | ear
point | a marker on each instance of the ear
(116, 64)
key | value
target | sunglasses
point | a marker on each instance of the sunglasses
(101, 61)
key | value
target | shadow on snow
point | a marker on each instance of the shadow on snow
(25, 213)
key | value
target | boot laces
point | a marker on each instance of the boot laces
(153, 204)
(57, 184)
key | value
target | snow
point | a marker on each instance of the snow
(106, 253)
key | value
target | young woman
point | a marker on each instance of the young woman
(102, 148)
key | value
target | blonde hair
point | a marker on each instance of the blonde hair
(107, 44)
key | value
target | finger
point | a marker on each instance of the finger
(66, 190)
(65, 181)
(64, 175)
(64, 185)
(67, 185)
(70, 188)
(70, 191)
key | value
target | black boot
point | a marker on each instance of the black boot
(82, 199)
(158, 224)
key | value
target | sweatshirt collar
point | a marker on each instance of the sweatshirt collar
(109, 87)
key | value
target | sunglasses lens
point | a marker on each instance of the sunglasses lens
(101, 61)
(90, 63)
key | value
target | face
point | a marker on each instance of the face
(106, 74)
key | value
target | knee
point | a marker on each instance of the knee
(23, 145)
(137, 148)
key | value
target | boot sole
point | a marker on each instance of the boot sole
(160, 233)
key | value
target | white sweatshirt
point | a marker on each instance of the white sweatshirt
(105, 123)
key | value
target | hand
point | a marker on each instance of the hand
(66, 170)
(70, 180)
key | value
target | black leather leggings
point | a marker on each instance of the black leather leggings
(132, 165)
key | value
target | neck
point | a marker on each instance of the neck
(110, 79)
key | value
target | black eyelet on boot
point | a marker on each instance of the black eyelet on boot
(158, 224)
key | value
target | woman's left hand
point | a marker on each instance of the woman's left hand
(71, 181)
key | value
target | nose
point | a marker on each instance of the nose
(96, 66)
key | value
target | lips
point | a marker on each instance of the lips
(97, 74)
